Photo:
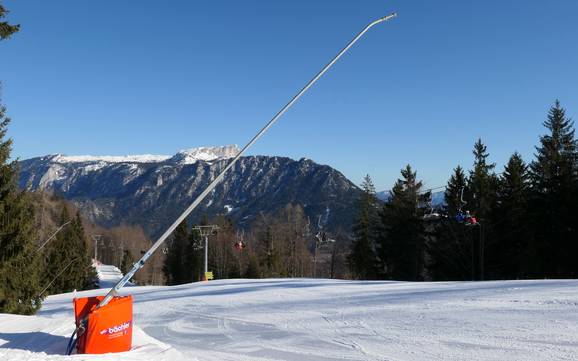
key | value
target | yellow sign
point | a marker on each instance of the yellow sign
(209, 276)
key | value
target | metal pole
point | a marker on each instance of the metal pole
(96, 238)
(315, 261)
(206, 254)
(481, 252)
(216, 181)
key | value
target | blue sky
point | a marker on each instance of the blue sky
(129, 77)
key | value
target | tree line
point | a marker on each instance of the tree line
(275, 245)
(31, 267)
(36, 259)
(526, 218)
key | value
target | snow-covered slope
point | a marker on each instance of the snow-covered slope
(322, 320)
(107, 275)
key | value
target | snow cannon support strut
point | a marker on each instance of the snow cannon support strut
(138, 265)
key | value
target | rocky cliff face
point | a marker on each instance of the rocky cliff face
(153, 190)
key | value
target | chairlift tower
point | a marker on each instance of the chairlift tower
(96, 238)
(205, 232)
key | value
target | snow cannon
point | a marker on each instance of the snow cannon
(104, 329)
(104, 324)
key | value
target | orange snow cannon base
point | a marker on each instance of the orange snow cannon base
(109, 328)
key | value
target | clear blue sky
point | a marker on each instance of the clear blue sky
(130, 77)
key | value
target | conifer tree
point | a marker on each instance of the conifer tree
(450, 250)
(253, 268)
(402, 240)
(362, 258)
(175, 267)
(482, 183)
(194, 256)
(554, 186)
(453, 192)
(6, 29)
(68, 262)
(127, 261)
(512, 226)
(19, 266)
(86, 274)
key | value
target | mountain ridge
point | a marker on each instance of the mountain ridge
(153, 194)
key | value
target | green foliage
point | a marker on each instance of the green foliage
(127, 261)
(482, 184)
(195, 256)
(362, 258)
(253, 268)
(554, 184)
(6, 29)
(175, 268)
(453, 192)
(68, 262)
(402, 239)
(512, 227)
(19, 265)
(450, 248)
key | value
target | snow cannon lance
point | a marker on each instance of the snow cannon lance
(96, 317)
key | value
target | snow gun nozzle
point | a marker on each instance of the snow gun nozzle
(388, 17)
(382, 19)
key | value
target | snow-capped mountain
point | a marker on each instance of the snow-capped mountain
(152, 190)
(185, 156)
(207, 154)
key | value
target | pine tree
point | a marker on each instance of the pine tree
(86, 274)
(195, 256)
(6, 29)
(253, 268)
(19, 265)
(175, 267)
(554, 184)
(362, 258)
(68, 262)
(512, 226)
(402, 240)
(450, 249)
(127, 262)
(483, 185)
(453, 192)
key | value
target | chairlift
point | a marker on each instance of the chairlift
(431, 214)
(239, 241)
(464, 216)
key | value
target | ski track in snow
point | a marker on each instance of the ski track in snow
(323, 320)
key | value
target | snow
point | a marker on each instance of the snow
(185, 156)
(142, 158)
(323, 320)
(54, 173)
(193, 155)
(108, 275)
